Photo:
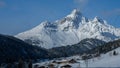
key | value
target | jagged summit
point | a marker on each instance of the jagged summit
(75, 13)
(98, 19)
(70, 30)
(74, 20)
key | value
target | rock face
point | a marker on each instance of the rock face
(70, 30)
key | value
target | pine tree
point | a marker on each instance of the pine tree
(114, 53)
(9, 65)
(20, 63)
(30, 64)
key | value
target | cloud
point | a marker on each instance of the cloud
(111, 12)
(81, 3)
(2, 4)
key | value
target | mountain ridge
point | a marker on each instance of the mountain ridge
(70, 30)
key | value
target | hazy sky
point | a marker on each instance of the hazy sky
(20, 15)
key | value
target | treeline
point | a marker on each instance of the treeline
(20, 64)
(97, 47)
(106, 47)
(12, 49)
(96, 52)
(77, 49)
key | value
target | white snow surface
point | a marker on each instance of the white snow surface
(70, 30)
(105, 60)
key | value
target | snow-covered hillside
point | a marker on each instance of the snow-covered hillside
(70, 30)
(105, 60)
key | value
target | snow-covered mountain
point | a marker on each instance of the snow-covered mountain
(70, 30)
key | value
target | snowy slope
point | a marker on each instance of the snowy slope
(70, 30)
(105, 60)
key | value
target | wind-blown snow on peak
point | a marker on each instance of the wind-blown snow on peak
(70, 30)
(74, 20)
(75, 13)
(98, 19)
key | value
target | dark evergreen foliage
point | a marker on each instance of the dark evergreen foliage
(30, 64)
(106, 47)
(20, 63)
(114, 53)
(12, 49)
(76, 49)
